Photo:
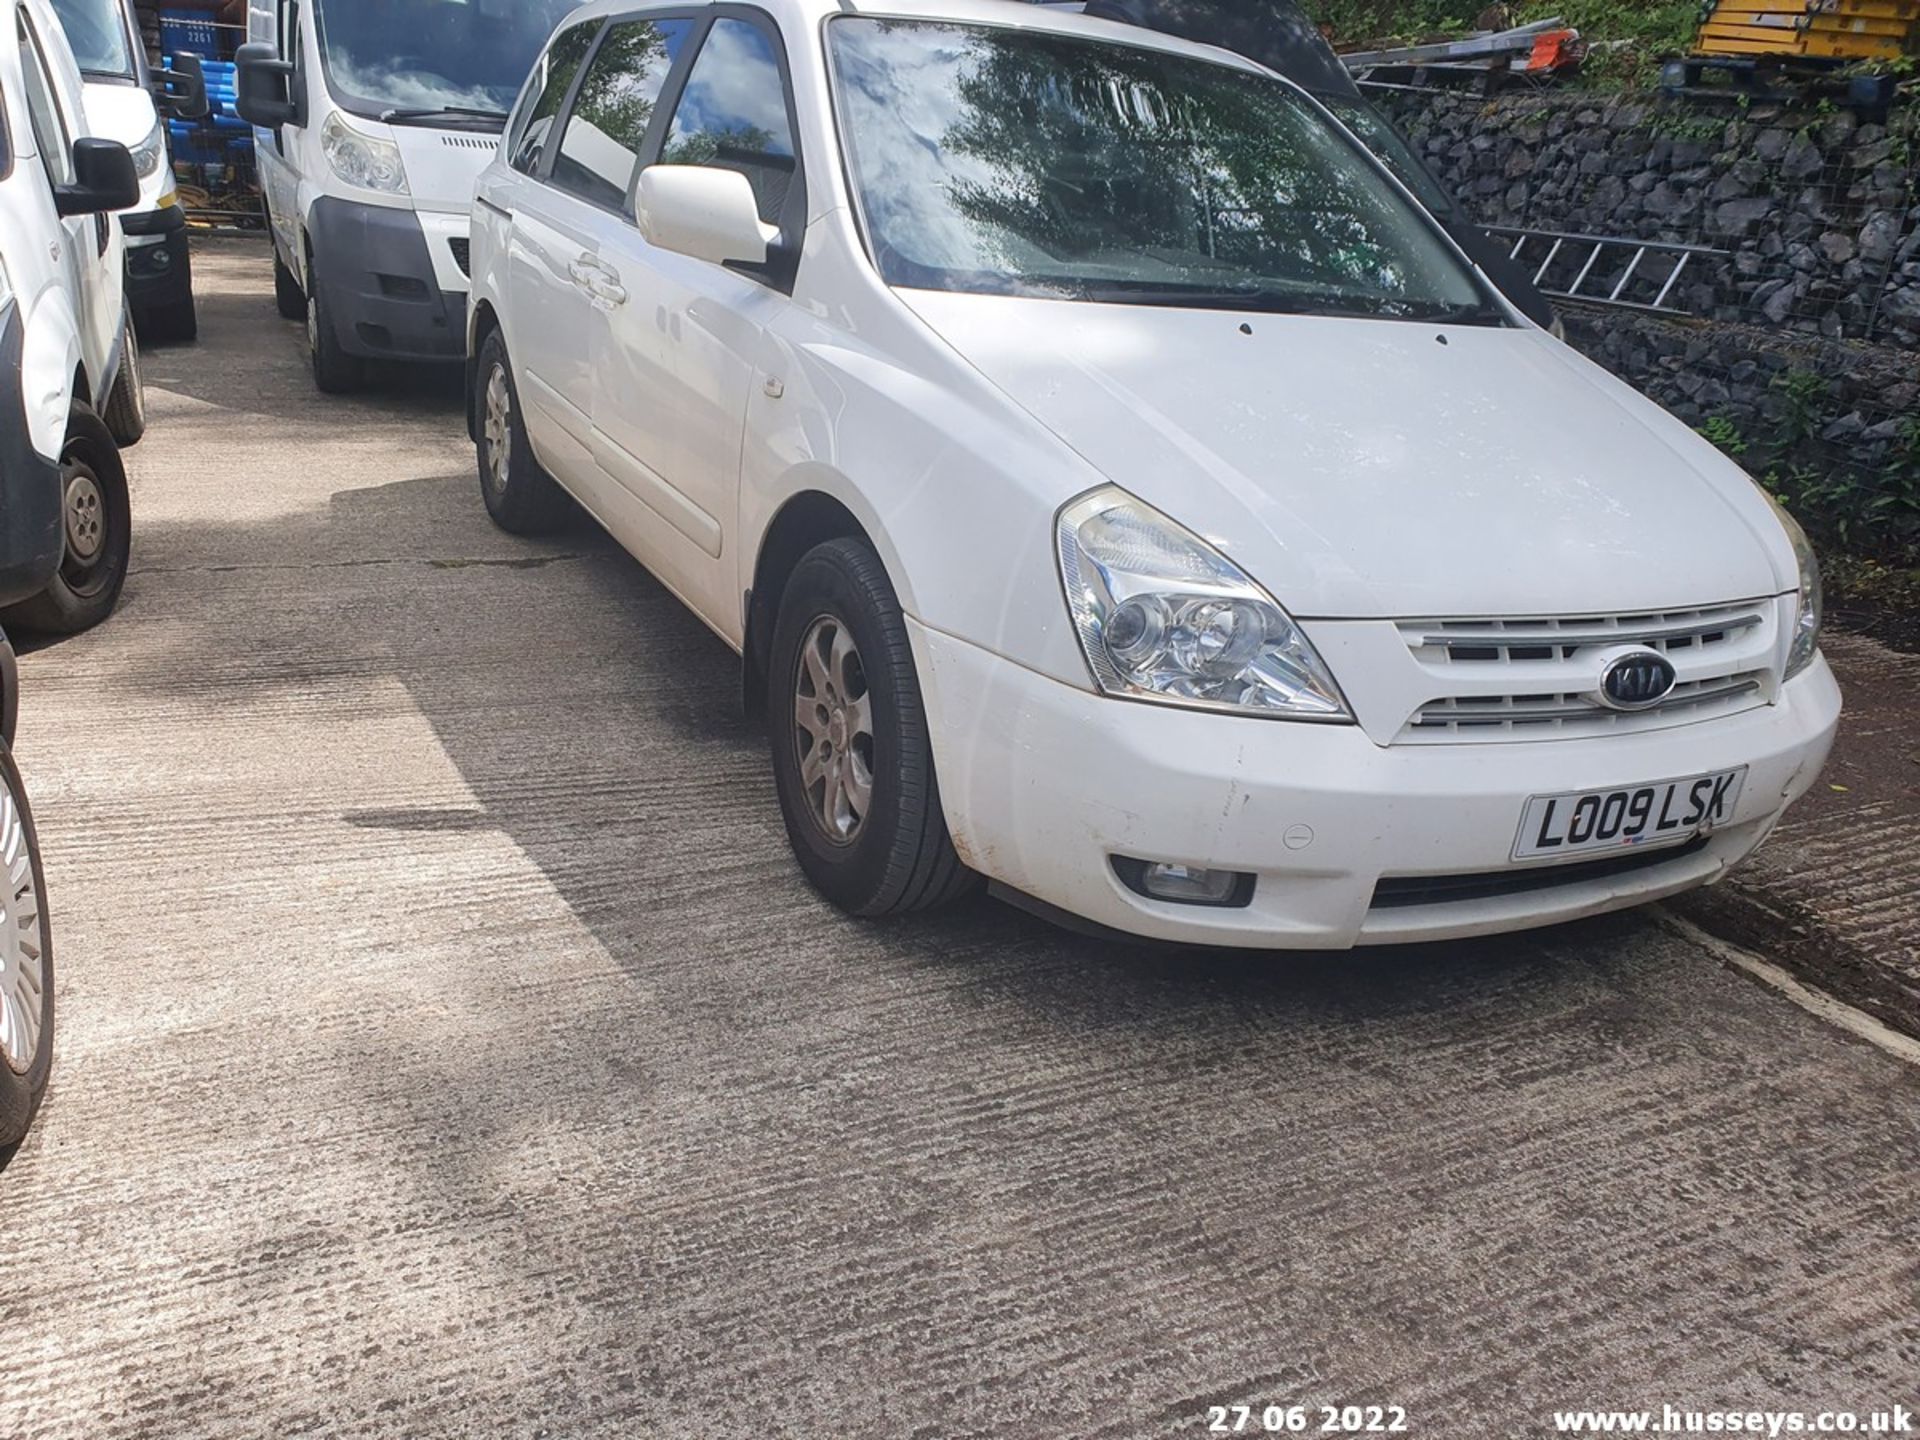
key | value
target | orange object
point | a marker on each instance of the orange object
(1555, 50)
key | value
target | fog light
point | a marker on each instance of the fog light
(1185, 884)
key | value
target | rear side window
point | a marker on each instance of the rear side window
(607, 127)
(49, 131)
(547, 91)
(733, 115)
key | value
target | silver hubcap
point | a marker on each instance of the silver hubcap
(86, 519)
(833, 730)
(498, 429)
(23, 967)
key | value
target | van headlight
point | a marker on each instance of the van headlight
(1163, 616)
(1810, 607)
(363, 160)
(151, 153)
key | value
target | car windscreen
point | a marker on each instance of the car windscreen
(97, 31)
(1392, 150)
(452, 61)
(1002, 160)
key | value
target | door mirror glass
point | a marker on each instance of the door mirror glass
(263, 87)
(182, 87)
(702, 211)
(103, 179)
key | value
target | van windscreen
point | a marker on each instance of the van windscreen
(461, 61)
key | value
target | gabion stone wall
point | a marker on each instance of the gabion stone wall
(1802, 356)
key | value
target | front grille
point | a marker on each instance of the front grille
(1576, 714)
(1466, 642)
(1399, 892)
(1535, 678)
(462, 249)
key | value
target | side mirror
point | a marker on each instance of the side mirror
(263, 87)
(182, 87)
(702, 211)
(103, 179)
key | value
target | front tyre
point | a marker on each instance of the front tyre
(98, 518)
(26, 962)
(335, 372)
(521, 497)
(126, 412)
(851, 757)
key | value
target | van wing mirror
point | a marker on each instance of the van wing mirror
(182, 87)
(103, 179)
(263, 87)
(702, 211)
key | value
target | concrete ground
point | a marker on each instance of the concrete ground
(448, 1046)
(1835, 895)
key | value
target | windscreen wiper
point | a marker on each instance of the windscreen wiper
(1484, 313)
(429, 112)
(1194, 297)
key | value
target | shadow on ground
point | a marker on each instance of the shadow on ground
(967, 1174)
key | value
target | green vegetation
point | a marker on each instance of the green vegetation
(1724, 433)
(1866, 525)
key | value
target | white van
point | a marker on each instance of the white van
(63, 339)
(126, 102)
(373, 119)
(69, 375)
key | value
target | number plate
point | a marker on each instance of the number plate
(1663, 813)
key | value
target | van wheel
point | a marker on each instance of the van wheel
(335, 372)
(126, 412)
(288, 298)
(99, 530)
(851, 758)
(521, 497)
(26, 962)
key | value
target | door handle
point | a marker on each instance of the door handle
(600, 282)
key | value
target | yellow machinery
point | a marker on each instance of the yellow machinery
(1828, 29)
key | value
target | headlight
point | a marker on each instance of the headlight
(151, 153)
(1163, 616)
(1808, 613)
(363, 160)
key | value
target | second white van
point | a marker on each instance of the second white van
(373, 119)
(126, 102)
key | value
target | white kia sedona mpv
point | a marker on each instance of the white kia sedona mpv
(1119, 488)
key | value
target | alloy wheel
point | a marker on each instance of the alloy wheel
(498, 429)
(833, 730)
(22, 943)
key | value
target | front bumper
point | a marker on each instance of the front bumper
(1043, 783)
(31, 535)
(379, 284)
(159, 267)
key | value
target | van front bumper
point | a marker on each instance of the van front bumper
(159, 267)
(378, 284)
(31, 537)
(1043, 784)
